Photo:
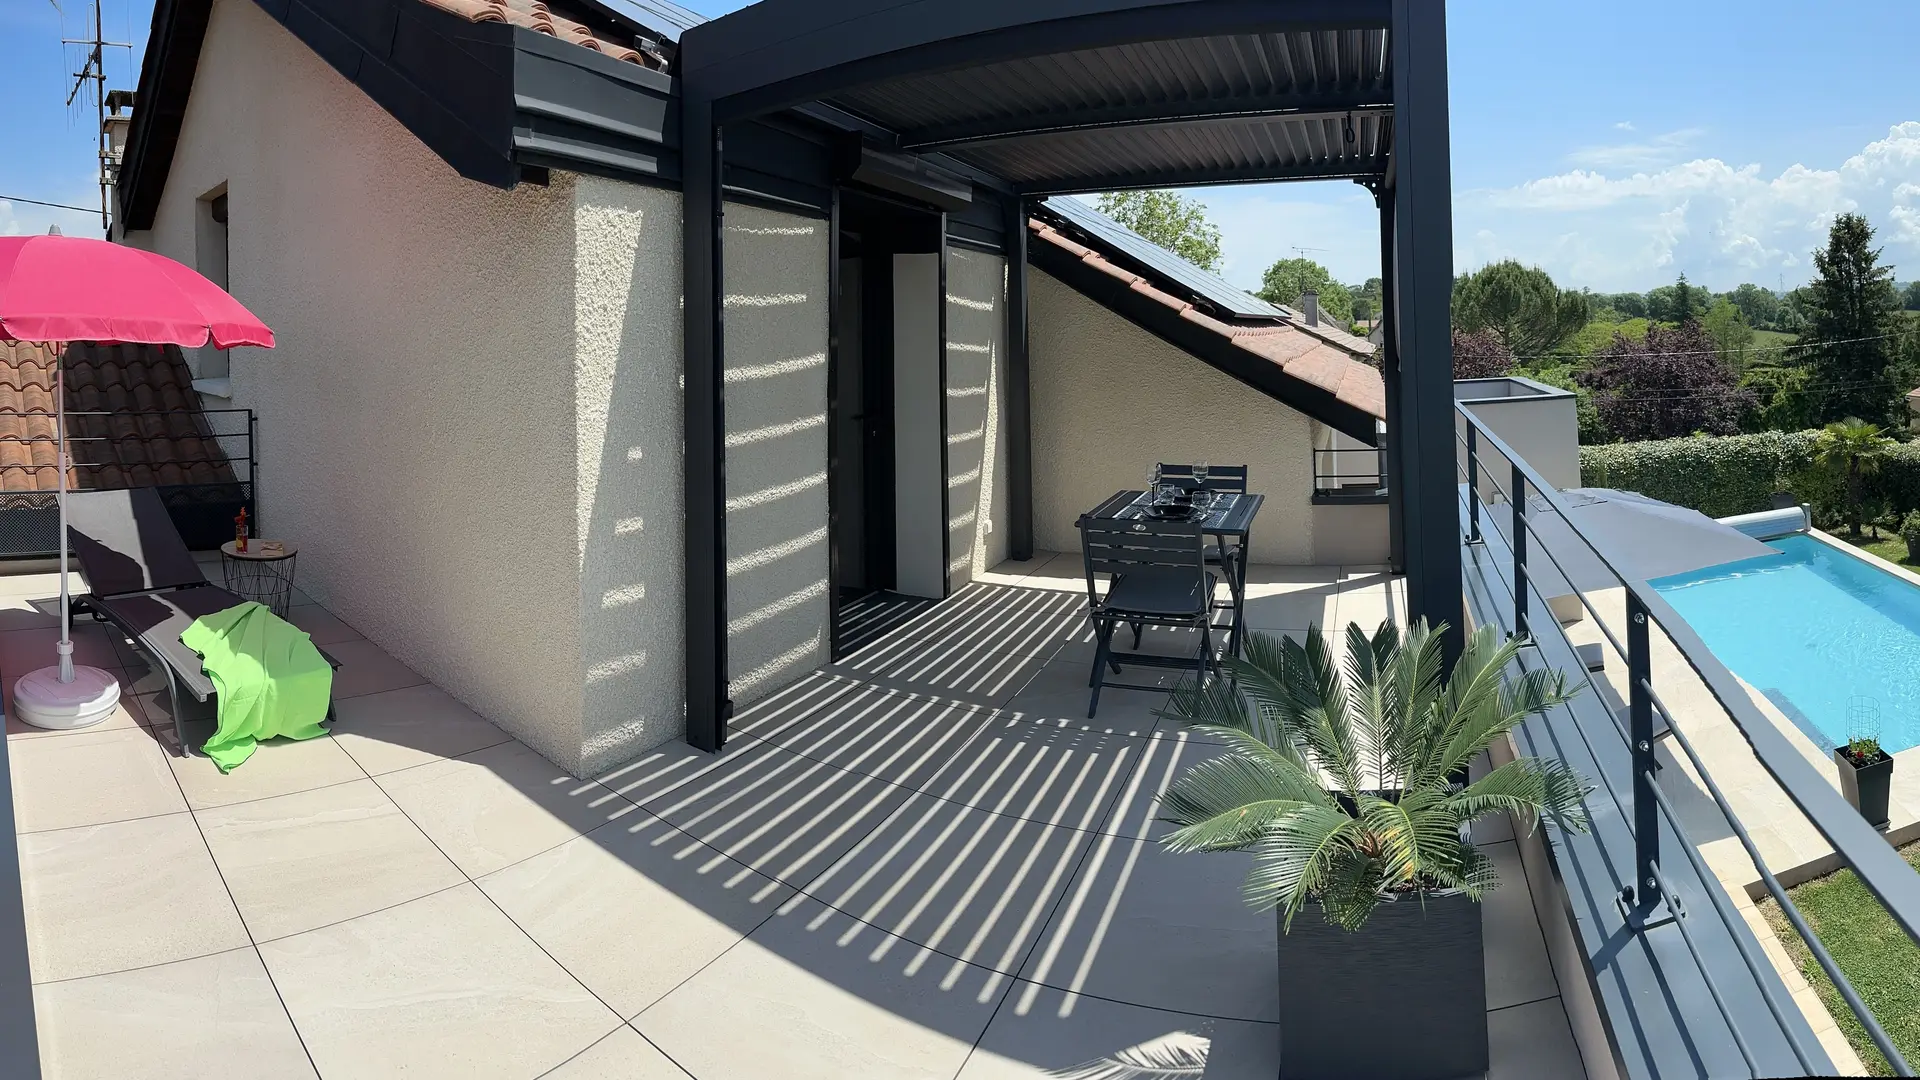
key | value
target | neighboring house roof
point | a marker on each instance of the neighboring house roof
(540, 18)
(155, 435)
(1320, 370)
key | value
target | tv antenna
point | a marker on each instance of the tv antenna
(1302, 251)
(94, 70)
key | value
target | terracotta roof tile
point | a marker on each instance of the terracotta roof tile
(125, 449)
(1323, 356)
(538, 17)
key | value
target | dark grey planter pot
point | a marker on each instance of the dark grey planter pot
(1867, 788)
(1405, 997)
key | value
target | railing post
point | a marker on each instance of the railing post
(1517, 495)
(1473, 482)
(1646, 820)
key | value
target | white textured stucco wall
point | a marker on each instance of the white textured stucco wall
(628, 486)
(976, 393)
(1110, 399)
(775, 268)
(473, 403)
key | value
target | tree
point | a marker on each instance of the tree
(1169, 219)
(1368, 299)
(1854, 319)
(1480, 355)
(1852, 447)
(1631, 304)
(1760, 307)
(1672, 383)
(1729, 331)
(1910, 298)
(1684, 305)
(1286, 280)
(1781, 401)
(1521, 305)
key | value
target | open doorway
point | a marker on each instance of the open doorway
(885, 453)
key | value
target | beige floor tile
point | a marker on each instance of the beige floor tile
(1065, 572)
(1011, 571)
(27, 610)
(365, 668)
(321, 625)
(125, 895)
(1530, 1041)
(305, 860)
(1284, 607)
(213, 1016)
(443, 986)
(497, 806)
(800, 1004)
(1108, 1039)
(1516, 952)
(277, 767)
(903, 739)
(623, 1055)
(22, 651)
(402, 728)
(959, 672)
(1165, 931)
(90, 777)
(583, 900)
(1058, 694)
(1053, 774)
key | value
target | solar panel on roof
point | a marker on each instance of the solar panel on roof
(662, 17)
(1161, 261)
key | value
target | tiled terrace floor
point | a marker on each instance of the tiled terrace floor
(922, 862)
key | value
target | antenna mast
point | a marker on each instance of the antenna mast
(94, 70)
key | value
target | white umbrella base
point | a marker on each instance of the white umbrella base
(41, 699)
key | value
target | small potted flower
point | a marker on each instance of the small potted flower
(1866, 771)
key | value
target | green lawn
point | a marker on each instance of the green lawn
(1881, 962)
(1889, 547)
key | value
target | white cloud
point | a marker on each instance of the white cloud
(1658, 150)
(1630, 228)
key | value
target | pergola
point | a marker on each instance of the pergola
(1018, 99)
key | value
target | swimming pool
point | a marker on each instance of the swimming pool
(1815, 629)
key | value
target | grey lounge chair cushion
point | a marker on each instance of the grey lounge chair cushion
(1159, 592)
(158, 620)
(126, 542)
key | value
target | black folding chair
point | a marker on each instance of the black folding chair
(1158, 577)
(142, 579)
(1228, 480)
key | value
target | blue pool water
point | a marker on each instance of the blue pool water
(1816, 630)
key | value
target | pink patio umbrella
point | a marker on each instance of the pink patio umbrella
(59, 289)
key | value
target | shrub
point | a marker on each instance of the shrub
(1737, 474)
(1910, 532)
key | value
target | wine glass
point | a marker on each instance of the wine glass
(1153, 482)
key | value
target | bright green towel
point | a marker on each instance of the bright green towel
(270, 678)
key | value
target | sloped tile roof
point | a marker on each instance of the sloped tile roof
(154, 433)
(1323, 356)
(537, 16)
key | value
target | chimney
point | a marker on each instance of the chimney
(1310, 303)
(115, 126)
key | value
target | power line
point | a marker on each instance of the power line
(42, 202)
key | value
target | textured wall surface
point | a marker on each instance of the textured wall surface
(1110, 399)
(416, 418)
(775, 268)
(976, 396)
(627, 488)
(471, 424)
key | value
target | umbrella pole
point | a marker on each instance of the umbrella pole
(65, 648)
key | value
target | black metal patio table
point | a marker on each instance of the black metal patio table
(1229, 520)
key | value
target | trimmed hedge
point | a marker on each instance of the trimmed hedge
(1738, 474)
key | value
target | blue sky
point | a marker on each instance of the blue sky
(1615, 145)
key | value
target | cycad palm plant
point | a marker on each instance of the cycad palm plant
(1343, 784)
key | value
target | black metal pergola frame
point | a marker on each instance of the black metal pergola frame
(783, 55)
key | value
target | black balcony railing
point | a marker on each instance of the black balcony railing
(1663, 886)
(203, 465)
(1356, 475)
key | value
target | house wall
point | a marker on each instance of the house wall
(1110, 399)
(775, 274)
(412, 418)
(471, 424)
(976, 393)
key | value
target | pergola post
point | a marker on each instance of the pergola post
(704, 421)
(1389, 371)
(1421, 381)
(1019, 401)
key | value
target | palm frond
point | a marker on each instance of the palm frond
(1292, 861)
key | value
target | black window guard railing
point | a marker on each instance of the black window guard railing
(1650, 898)
(1350, 475)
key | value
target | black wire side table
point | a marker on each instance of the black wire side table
(259, 575)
